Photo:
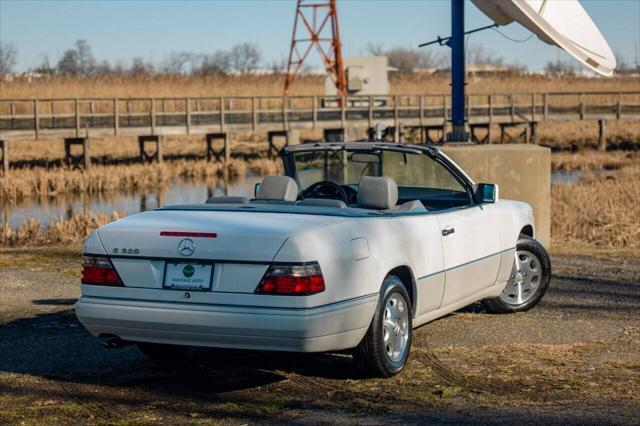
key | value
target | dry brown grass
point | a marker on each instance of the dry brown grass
(570, 135)
(50, 152)
(157, 86)
(601, 210)
(593, 160)
(36, 182)
(426, 84)
(272, 85)
(61, 231)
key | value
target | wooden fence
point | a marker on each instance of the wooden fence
(81, 117)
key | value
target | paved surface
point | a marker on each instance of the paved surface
(573, 359)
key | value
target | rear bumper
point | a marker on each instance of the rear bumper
(332, 327)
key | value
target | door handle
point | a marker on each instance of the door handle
(448, 231)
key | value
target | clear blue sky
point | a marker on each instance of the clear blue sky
(120, 30)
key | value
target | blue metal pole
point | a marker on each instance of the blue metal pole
(459, 133)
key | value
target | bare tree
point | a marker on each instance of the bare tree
(622, 66)
(141, 67)
(406, 60)
(177, 63)
(375, 49)
(559, 67)
(45, 65)
(68, 63)
(8, 55)
(103, 68)
(86, 61)
(476, 54)
(119, 68)
(217, 63)
(77, 61)
(245, 57)
(278, 67)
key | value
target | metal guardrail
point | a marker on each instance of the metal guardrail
(75, 117)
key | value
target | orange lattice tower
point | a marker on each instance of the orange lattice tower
(319, 28)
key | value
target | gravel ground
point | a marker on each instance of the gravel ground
(573, 359)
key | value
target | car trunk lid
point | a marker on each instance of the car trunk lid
(238, 245)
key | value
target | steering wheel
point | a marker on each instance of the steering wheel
(325, 189)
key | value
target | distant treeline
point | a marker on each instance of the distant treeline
(246, 58)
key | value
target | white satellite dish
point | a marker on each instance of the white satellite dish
(563, 23)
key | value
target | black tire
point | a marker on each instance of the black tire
(371, 354)
(161, 353)
(527, 244)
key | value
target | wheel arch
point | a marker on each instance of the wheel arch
(405, 274)
(527, 230)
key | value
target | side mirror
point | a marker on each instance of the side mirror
(256, 189)
(487, 193)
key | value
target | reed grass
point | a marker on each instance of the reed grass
(600, 210)
(36, 182)
(273, 85)
(62, 231)
(593, 160)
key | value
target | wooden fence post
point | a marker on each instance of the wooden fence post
(36, 117)
(370, 112)
(545, 107)
(86, 158)
(490, 125)
(222, 114)
(227, 150)
(396, 114)
(254, 114)
(77, 114)
(315, 112)
(602, 135)
(513, 108)
(53, 118)
(445, 117)
(582, 106)
(4, 149)
(533, 107)
(619, 106)
(467, 100)
(284, 113)
(152, 111)
(116, 118)
(188, 114)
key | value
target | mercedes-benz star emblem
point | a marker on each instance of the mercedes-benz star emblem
(186, 247)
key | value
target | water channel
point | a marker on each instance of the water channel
(180, 192)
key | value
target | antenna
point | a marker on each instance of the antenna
(319, 28)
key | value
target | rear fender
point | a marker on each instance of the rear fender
(93, 245)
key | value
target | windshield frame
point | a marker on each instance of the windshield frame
(288, 155)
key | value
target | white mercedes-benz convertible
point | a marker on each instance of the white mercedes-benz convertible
(355, 247)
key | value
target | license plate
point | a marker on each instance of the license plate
(188, 276)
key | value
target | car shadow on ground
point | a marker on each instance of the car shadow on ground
(59, 361)
(55, 345)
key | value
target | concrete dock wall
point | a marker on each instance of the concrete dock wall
(523, 173)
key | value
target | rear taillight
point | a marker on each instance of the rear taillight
(97, 270)
(292, 280)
